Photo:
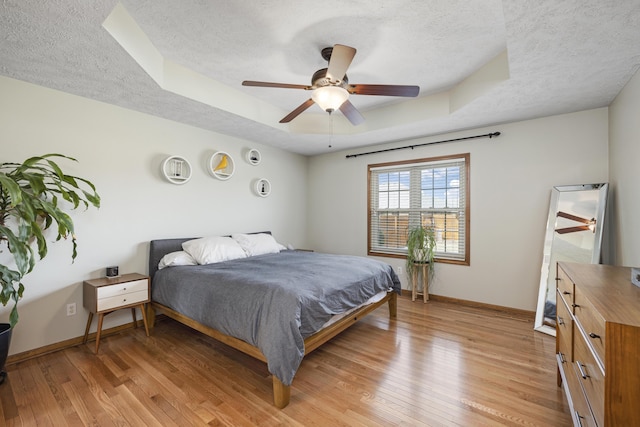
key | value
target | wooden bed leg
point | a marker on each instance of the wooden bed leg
(393, 305)
(281, 393)
(151, 316)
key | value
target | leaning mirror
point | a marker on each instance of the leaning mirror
(574, 234)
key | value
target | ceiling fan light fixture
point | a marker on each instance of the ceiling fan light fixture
(330, 98)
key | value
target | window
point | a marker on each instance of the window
(433, 192)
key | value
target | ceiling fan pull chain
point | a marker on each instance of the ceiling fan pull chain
(330, 130)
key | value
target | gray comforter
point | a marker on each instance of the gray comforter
(273, 301)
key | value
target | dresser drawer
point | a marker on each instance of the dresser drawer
(565, 287)
(581, 413)
(564, 330)
(592, 324)
(122, 288)
(590, 376)
(122, 300)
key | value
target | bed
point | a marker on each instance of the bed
(276, 306)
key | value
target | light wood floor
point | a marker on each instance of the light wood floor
(438, 364)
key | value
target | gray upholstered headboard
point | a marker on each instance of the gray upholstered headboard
(161, 247)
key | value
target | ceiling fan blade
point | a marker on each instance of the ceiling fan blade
(385, 90)
(575, 218)
(278, 85)
(292, 115)
(351, 113)
(341, 58)
(572, 229)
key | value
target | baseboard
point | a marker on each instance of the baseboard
(51, 348)
(515, 312)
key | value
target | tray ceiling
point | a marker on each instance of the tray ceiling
(477, 63)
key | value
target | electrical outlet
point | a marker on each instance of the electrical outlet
(399, 270)
(71, 309)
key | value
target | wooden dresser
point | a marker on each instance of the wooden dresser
(598, 343)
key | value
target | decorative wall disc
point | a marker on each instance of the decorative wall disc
(176, 169)
(221, 165)
(263, 187)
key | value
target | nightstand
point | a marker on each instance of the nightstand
(108, 294)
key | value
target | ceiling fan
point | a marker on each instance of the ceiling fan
(331, 87)
(590, 224)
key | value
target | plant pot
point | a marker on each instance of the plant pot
(5, 340)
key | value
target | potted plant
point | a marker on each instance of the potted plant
(33, 195)
(421, 243)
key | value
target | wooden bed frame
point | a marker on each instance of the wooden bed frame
(281, 392)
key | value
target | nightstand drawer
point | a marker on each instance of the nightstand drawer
(122, 288)
(122, 300)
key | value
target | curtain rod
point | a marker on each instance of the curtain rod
(489, 135)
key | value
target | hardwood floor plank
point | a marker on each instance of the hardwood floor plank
(135, 411)
(88, 409)
(436, 364)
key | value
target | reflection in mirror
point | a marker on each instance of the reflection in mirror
(574, 234)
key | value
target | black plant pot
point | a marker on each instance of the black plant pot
(5, 340)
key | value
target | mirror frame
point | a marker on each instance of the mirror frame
(556, 192)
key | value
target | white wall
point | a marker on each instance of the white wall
(319, 203)
(120, 151)
(511, 180)
(624, 155)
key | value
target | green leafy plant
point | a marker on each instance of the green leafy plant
(31, 195)
(421, 244)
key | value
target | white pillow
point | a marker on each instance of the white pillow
(209, 250)
(258, 244)
(176, 258)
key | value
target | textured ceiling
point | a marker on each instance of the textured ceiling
(550, 57)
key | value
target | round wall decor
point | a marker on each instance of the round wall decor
(176, 169)
(254, 157)
(221, 165)
(263, 187)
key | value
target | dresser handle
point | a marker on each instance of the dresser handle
(579, 418)
(562, 359)
(560, 321)
(581, 367)
(566, 293)
(594, 336)
(574, 305)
